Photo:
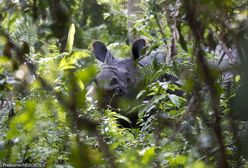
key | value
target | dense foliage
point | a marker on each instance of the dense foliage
(47, 68)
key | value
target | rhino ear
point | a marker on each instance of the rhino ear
(137, 47)
(101, 52)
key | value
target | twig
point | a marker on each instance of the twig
(214, 102)
(158, 22)
(228, 53)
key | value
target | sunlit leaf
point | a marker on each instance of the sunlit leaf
(70, 38)
(175, 99)
(148, 155)
(70, 61)
(178, 160)
(25, 119)
(4, 60)
(237, 78)
(81, 84)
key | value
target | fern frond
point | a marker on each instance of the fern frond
(26, 30)
(152, 74)
(70, 61)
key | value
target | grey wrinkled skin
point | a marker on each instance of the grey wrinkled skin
(117, 78)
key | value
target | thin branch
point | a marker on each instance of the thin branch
(190, 7)
(158, 22)
(214, 102)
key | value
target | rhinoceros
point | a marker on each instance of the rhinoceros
(117, 83)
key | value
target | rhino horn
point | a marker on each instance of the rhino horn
(137, 47)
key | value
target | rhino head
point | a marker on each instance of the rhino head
(117, 77)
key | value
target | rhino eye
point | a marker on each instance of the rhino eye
(95, 81)
(128, 80)
(114, 81)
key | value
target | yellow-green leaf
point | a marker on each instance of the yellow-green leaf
(237, 78)
(81, 84)
(148, 155)
(4, 60)
(70, 38)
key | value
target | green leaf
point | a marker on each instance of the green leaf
(117, 115)
(237, 78)
(140, 94)
(4, 60)
(80, 54)
(148, 155)
(69, 60)
(26, 119)
(86, 74)
(178, 160)
(81, 84)
(70, 38)
(198, 165)
(151, 104)
(175, 99)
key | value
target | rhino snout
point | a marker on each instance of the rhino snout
(110, 87)
(119, 92)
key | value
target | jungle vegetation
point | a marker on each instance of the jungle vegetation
(47, 67)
